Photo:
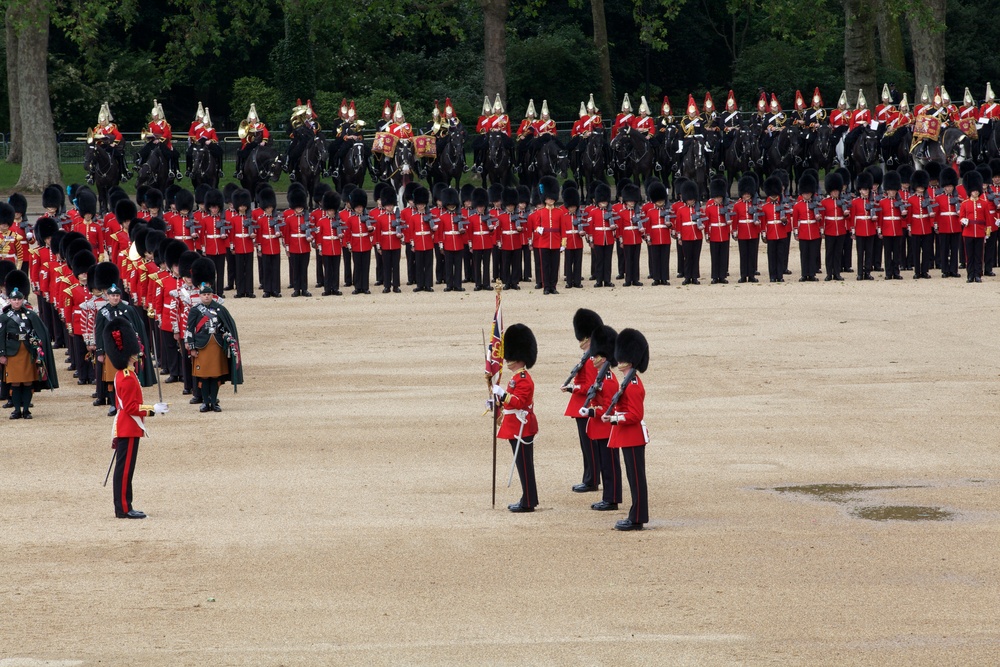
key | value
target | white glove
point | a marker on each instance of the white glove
(160, 409)
(489, 405)
(539, 230)
(498, 390)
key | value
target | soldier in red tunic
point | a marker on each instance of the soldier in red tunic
(920, 222)
(806, 227)
(268, 241)
(690, 226)
(946, 224)
(585, 323)
(600, 393)
(658, 225)
(774, 227)
(509, 239)
(890, 225)
(547, 223)
(519, 424)
(482, 234)
(160, 138)
(718, 229)
(602, 222)
(213, 233)
(361, 227)
(746, 227)
(631, 231)
(833, 220)
(328, 239)
(296, 232)
(240, 225)
(977, 217)
(389, 235)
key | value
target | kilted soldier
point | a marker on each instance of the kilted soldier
(482, 230)
(920, 221)
(212, 339)
(604, 386)
(295, 232)
(717, 224)
(746, 228)
(628, 432)
(658, 226)
(328, 239)
(509, 238)
(585, 322)
(25, 348)
(122, 349)
(269, 242)
(241, 242)
(421, 238)
(517, 402)
(806, 227)
(833, 218)
(389, 234)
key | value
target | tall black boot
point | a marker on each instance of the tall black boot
(26, 392)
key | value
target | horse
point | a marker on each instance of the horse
(449, 165)
(550, 160)
(261, 165)
(693, 165)
(154, 172)
(309, 167)
(736, 157)
(663, 156)
(785, 151)
(353, 166)
(987, 146)
(895, 147)
(865, 151)
(100, 161)
(820, 153)
(499, 159)
(952, 146)
(203, 167)
(400, 168)
(593, 162)
(631, 157)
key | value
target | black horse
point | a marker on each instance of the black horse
(631, 157)
(308, 169)
(203, 166)
(693, 164)
(592, 162)
(895, 148)
(987, 146)
(353, 165)
(260, 166)
(401, 167)
(154, 172)
(100, 163)
(449, 165)
(499, 159)
(785, 151)
(865, 151)
(736, 157)
(820, 150)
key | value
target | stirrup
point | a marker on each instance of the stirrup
(291, 176)
(238, 175)
(90, 179)
(335, 173)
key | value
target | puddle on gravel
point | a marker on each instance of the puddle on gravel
(837, 493)
(902, 513)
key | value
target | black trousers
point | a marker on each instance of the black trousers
(635, 470)
(848, 254)
(907, 250)
(526, 263)
(170, 355)
(298, 267)
(362, 268)
(574, 267)
(438, 264)
(630, 255)
(510, 267)
(536, 253)
(348, 269)
(602, 263)
(866, 255)
(749, 249)
(481, 267)
(923, 253)
(893, 249)
(809, 258)
(411, 267)
(467, 263)
(620, 257)
(244, 273)
(719, 252)
(496, 265)
(990, 252)
(948, 245)
(189, 383)
(611, 472)
(680, 260)
(423, 269)
(973, 256)
(390, 268)
(591, 456)
(549, 260)
(126, 450)
(835, 255)
(692, 259)
(331, 273)
(784, 246)
(774, 271)
(220, 271)
(270, 273)
(525, 464)
(84, 368)
(453, 269)
(659, 262)
(378, 268)
(320, 282)
(877, 248)
(230, 269)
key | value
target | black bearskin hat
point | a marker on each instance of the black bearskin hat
(948, 177)
(808, 184)
(480, 198)
(153, 198)
(495, 192)
(318, 192)
(436, 191)
(170, 195)
(508, 197)
(569, 183)
(66, 239)
(965, 166)
(466, 192)
(571, 197)
(215, 198)
(421, 196)
(408, 191)
(747, 185)
(933, 170)
(44, 229)
(56, 240)
(77, 246)
(141, 190)
(920, 179)
(632, 348)
(845, 174)
(331, 201)
(536, 198)
(523, 194)
(377, 190)
(18, 203)
(905, 172)
(107, 274)
(584, 323)
(154, 239)
(241, 197)
(602, 343)
(6, 266)
(358, 198)
(548, 188)
(121, 343)
(450, 198)
(388, 197)
(6, 214)
(141, 232)
(187, 260)
(203, 273)
(891, 181)
(199, 193)
(985, 171)
(266, 197)
(876, 172)
(602, 193)
(772, 186)
(134, 229)
(125, 211)
(184, 200)
(689, 191)
(834, 182)
(864, 181)
(345, 195)
(86, 202)
(156, 224)
(115, 195)
(631, 193)
(17, 282)
(973, 182)
(228, 190)
(519, 344)
(657, 192)
(82, 262)
(90, 277)
(649, 184)
(718, 187)
(52, 197)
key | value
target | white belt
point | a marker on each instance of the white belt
(863, 217)
(949, 213)
(808, 222)
(512, 232)
(602, 229)
(630, 228)
(298, 236)
(746, 220)
(480, 233)
(358, 235)
(327, 238)
(689, 224)
(522, 415)
(719, 224)
(269, 236)
(388, 233)
(423, 234)
(453, 233)
(893, 217)
(183, 238)
(920, 215)
(242, 236)
(659, 227)
(216, 236)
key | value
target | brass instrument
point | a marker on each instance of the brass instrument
(244, 129)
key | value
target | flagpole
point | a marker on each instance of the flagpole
(497, 287)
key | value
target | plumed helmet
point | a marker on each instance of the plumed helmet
(107, 274)
(331, 201)
(571, 197)
(82, 262)
(56, 241)
(203, 273)
(187, 260)
(602, 343)
(718, 187)
(523, 194)
(747, 185)
(121, 343)
(18, 203)
(585, 321)
(44, 229)
(657, 192)
(298, 196)
(772, 186)
(905, 172)
(6, 214)
(864, 181)
(631, 348)
(214, 197)
(421, 196)
(689, 191)
(17, 284)
(466, 192)
(508, 197)
(833, 182)
(480, 198)
(6, 266)
(548, 188)
(519, 344)
(266, 197)
(156, 223)
(920, 179)
(450, 198)
(876, 172)
(892, 181)
(241, 197)
(52, 197)
(153, 198)
(973, 182)
(808, 184)
(125, 211)
(602, 193)
(184, 200)
(495, 192)
(388, 196)
(359, 198)
(86, 202)
(631, 193)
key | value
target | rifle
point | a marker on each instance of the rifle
(429, 221)
(398, 225)
(520, 219)
(596, 387)
(640, 220)
(191, 224)
(621, 390)
(576, 369)
(928, 203)
(461, 222)
(367, 221)
(611, 217)
(309, 229)
(699, 218)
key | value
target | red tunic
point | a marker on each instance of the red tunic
(161, 130)
(860, 117)
(481, 231)
(177, 228)
(658, 225)
(572, 236)
(327, 238)
(547, 224)
(421, 235)
(452, 238)
(597, 429)
(862, 221)
(919, 219)
(630, 431)
(774, 221)
(890, 218)
(267, 239)
(839, 118)
(621, 120)
(976, 215)
(685, 223)
(361, 234)
(833, 217)
(519, 402)
(717, 224)
(508, 233)
(294, 232)
(386, 237)
(130, 420)
(628, 229)
(92, 230)
(602, 231)
(744, 222)
(13, 248)
(212, 239)
(804, 221)
(582, 381)
(240, 239)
